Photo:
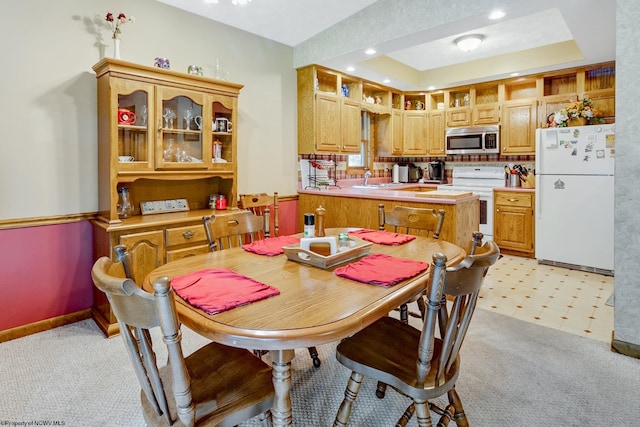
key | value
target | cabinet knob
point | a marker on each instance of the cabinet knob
(188, 234)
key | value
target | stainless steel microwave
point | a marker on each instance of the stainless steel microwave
(473, 140)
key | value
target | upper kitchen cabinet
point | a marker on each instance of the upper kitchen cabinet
(458, 107)
(376, 99)
(486, 106)
(158, 128)
(600, 87)
(436, 133)
(557, 90)
(519, 116)
(414, 132)
(328, 111)
(387, 131)
(596, 82)
(518, 127)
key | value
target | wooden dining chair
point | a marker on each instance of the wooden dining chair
(216, 385)
(138, 261)
(429, 363)
(236, 229)
(228, 231)
(414, 221)
(266, 206)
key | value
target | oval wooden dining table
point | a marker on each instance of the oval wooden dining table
(314, 306)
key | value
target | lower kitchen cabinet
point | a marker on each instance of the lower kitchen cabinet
(514, 225)
(460, 219)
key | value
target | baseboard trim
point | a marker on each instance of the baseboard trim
(44, 325)
(625, 348)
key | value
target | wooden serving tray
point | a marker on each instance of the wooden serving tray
(296, 253)
(445, 194)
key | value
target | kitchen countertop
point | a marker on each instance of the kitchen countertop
(395, 192)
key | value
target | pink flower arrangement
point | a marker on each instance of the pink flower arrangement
(116, 22)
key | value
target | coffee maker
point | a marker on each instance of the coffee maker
(437, 172)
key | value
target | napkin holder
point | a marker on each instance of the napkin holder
(300, 254)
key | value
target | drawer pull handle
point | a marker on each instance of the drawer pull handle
(188, 234)
(512, 200)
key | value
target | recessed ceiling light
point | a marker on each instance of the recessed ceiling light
(431, 88)
(469, 42)
(351, 68)
(370, 51)
(514, 74)
(385, 81)
(497, 14)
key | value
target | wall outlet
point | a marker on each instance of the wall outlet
(341, 166)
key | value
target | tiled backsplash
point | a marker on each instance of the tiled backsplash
(382, 165)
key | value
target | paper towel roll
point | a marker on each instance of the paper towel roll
(395, 174)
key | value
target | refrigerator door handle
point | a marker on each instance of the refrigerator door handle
(538, 199)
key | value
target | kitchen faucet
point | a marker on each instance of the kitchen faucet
(367, 175)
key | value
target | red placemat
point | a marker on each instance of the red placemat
(382, 237)
(220, 289)
(270, 246)
(381, 270)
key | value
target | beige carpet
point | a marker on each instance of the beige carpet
(514, 374)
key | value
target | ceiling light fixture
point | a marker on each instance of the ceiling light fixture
(469, 42)
(351, 68)
(497, 14)
(370, 51)
(239, 2)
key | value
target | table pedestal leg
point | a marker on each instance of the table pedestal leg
(281, 412)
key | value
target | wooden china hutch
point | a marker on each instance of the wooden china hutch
(166, 142)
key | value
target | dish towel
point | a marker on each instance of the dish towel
(270, 246)
(382, 237)
(220, 289)
(381, 270)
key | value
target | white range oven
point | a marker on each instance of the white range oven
(480, 181)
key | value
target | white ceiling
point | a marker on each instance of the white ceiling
(535, 36)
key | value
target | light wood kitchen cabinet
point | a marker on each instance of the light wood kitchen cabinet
(387, 131)
(414, 131)
(436, 133)
(457, 117)
(518, 133)
(514, 222)
(460, 221)
(486, 115)
(169, 139)
(329, 105)
(350, 126)
(327, 123)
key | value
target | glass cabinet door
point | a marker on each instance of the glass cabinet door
(182, 121)
(222, 146)
(133, 148)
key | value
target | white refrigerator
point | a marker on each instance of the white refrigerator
(574, 197)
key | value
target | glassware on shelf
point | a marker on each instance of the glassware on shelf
(143, 116)
(170, 154)
(169, 115)
(124, 207)
(188, 117)
(182, 154)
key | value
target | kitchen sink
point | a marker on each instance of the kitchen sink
(368, 186)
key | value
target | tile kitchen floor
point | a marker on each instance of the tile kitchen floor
(569, 300)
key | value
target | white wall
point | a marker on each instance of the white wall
(48, 127)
